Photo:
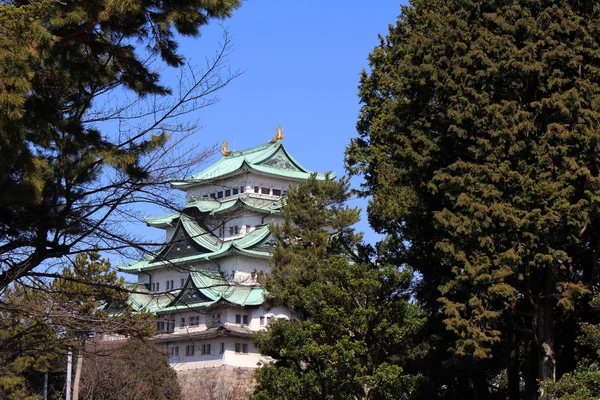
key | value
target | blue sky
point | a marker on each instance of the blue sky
(301, 63)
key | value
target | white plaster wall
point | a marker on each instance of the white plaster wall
(254, 315)
(247, 180)
(215, 358)
(240, 268)
(163, 275)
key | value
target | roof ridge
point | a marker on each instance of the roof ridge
(251, 150)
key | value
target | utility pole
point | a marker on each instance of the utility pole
(69, 368)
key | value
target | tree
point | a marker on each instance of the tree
(355, 324)
(81, 300)
(42, 322)
(478, 142)
(138, 371)
(75, 149)
(584, 382)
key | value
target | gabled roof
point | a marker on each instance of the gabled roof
(269, 159)
(204, 246)
(246, 201)
(215, 207)
(203, 288)
(217, 331)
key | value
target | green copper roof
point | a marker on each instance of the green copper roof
(211, 288)
(215, 287)
(216, 247)
(270, 159)
(163, 221)
(215, 207)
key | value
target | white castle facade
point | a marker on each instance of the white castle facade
(203, 284)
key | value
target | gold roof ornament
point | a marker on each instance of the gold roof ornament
(224, 149)
(279, 135)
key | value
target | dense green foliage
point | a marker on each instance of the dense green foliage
(479, 142)
(584, 382)
(57, 60)
(355, 326)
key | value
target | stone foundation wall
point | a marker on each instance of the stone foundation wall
(216, 383)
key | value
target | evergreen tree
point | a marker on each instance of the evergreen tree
(66, 164)
(354, 327)
(478, 140)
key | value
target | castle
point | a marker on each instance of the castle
(203, 285)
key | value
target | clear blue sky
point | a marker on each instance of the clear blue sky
(302, 61)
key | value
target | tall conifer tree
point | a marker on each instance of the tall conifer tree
(479, 140)
(355, 326)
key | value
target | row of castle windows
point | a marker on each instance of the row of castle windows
(221, 194)
(211, 320)
(170, 285)
(205, 349)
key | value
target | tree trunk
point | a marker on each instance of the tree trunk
(77, 379)
(513, 360)
(545, 325)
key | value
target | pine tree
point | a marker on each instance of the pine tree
(479, 144)
(354, 326)
(66, 164)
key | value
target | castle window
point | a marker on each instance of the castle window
(214, 319)
(231, 231)
(174, 351)
(213, 195)
(206, 349)
(228, 193)
(265, 190)
(195, 321)
(276, 192)
(241, 348)
(189, 350)
(262, 321)
(219, 195)
(171, 326)
(242, 189)
(235, 191)
(182, 282)
(236, 230)
(222, 348)
(182, 322)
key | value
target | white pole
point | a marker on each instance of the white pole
(69, 368)
(46, 385)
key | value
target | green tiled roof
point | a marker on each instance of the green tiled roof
(163, 221)
(218, 248)
(213, 288)
(271, 158)
(213, 207)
